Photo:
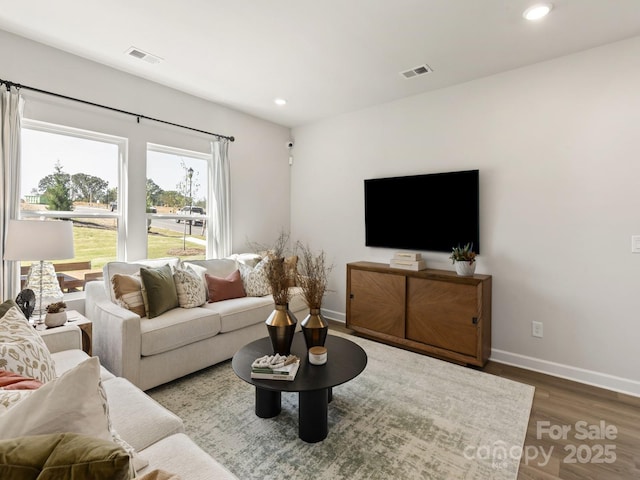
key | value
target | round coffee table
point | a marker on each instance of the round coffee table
(314, 383)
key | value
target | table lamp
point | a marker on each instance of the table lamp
(40, 240)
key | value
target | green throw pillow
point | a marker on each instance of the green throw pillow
(5, 306)
(158, 290)
(62, 456)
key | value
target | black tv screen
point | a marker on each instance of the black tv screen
(432, 212)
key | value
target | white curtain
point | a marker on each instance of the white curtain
(221, 195)
(11, 105)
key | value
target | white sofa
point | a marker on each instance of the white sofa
(150, 352)
(153, 431)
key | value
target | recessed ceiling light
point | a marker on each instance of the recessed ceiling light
(536, 12)
(280, 101)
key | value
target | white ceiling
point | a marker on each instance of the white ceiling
(325, 57)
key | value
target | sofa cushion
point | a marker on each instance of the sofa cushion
(178, 453)
(241, 312)
(128, 292)
(22, 350)
(63, 456)
(152, 423)
(158, 290)
(129, 268)
(225, 288)
(191, 291)
(176, 328)
(69, 359)
(219, 267)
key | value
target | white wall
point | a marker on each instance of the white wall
(558, 152)
(259, 157)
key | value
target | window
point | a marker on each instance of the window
(75, 174)
(177, 202)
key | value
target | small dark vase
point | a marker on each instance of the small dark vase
(315, 328)
(281, 325)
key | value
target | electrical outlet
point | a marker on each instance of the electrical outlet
(536, 329)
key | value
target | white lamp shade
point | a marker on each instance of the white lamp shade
(34, 240)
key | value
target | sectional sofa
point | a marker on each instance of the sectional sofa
(134, 434)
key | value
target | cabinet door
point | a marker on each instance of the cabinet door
(443, 314)
(377, 302)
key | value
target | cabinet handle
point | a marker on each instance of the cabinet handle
(474, 320)
(351, 296)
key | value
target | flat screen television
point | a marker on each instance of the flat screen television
(431, 212)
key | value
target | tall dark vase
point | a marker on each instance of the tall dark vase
(314, 328)
(281, 325)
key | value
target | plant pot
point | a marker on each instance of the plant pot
(465, 269)
(281, 325)
(55, 319)
(314, 328)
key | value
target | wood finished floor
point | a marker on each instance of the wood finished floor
(557, 403)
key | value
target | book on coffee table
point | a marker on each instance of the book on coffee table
(287, 372)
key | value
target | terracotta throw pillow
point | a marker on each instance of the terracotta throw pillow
(225, 288)
(13, 381)
(128, 292)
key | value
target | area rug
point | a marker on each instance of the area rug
(407, 416)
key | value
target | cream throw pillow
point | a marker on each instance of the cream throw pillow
(22, 350)
(70, 403)
(255, 279)
(191, 291)
(74, 402)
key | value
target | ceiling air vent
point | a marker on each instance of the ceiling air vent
(142, 55)
(417, 71)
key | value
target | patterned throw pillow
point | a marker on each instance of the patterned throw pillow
(255, 279)
(190, 289)
(128, 292)
(22, 350)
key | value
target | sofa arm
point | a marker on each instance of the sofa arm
(66, 337)
(116, 333)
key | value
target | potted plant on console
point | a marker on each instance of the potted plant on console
(313, 279)
(464, 259)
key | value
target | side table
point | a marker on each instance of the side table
(83, 323)
(86, 327)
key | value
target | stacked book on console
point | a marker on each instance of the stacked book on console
(275, 367)
(408, 261)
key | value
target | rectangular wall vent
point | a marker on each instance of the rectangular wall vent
(142, 55)
(417, 71)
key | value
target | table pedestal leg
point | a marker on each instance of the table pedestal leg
(312, 418)
(267, 403)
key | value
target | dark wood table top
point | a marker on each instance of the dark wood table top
(345, 361)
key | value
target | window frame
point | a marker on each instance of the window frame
(122, 144)
(208, 158)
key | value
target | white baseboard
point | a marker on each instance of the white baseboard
(333, 315)
(589, 377)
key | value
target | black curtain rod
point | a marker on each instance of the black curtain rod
(10, 84)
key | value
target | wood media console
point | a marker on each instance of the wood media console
(435, 312)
